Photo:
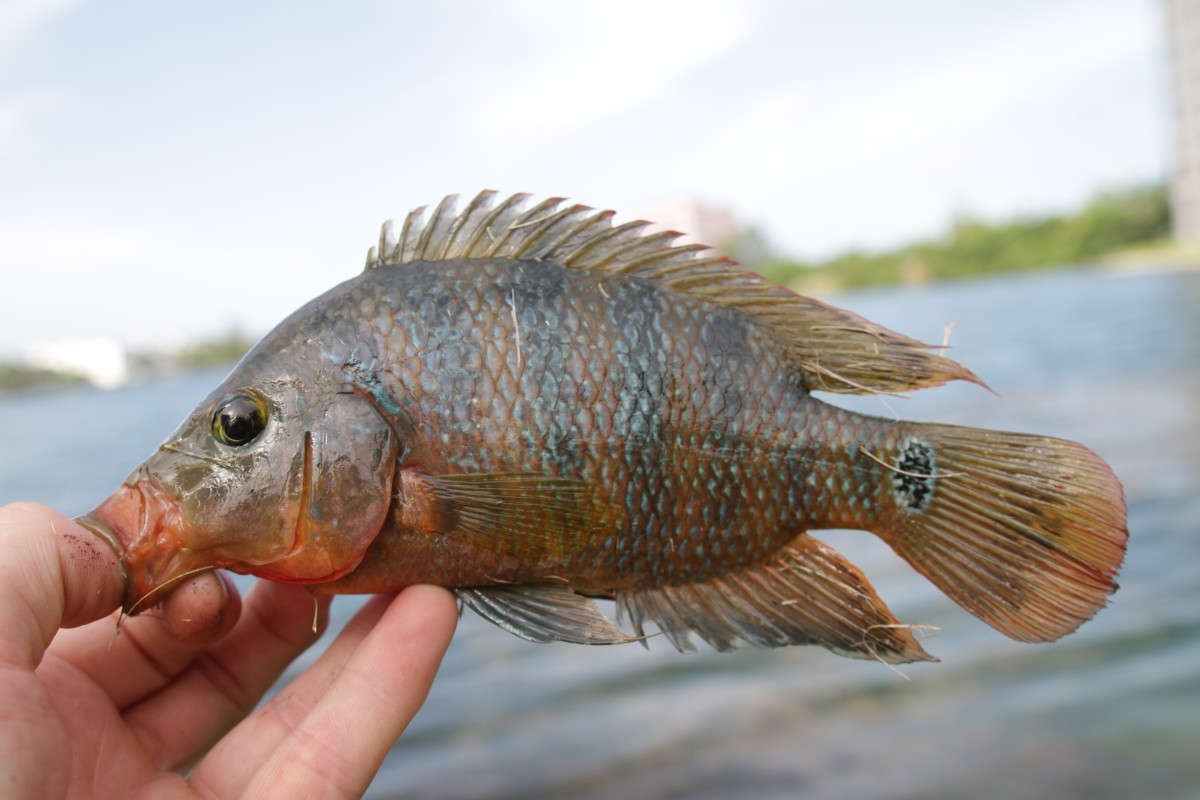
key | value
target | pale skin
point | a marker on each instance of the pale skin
(85, 712)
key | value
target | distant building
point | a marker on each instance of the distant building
(103, 362)
(1183, 38)
(700, 222)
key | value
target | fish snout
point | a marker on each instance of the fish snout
(141, 523)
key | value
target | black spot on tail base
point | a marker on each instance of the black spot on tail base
(913, 478)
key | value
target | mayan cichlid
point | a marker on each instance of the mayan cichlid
(535, 407)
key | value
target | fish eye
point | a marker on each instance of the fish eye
(239, 418)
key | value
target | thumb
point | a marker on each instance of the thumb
(54, 574)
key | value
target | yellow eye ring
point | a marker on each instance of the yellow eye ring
(239, 418)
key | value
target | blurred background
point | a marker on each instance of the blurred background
(175, 179)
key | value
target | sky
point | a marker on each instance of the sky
(171, 170)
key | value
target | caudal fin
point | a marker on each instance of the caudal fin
(1025, 532)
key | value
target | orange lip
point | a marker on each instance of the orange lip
(142, 524)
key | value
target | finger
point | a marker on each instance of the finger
(330, 729)
(150, 650)
(223, 684)
(233, 762)
(338, 747)
(53, 574)
(202, 609)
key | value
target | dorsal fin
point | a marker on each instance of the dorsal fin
(835, 350)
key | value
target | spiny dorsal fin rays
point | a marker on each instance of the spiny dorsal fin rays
(496, 227)
(834, 350)
(410, 234)
(467, 236)
(436, 236)
(549, 231)
(625, 254)
(573, 231)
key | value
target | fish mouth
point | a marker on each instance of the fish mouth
(141, 523)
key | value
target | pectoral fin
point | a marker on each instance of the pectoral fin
(544, 614)
(524, 515)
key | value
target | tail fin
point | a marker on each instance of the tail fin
(1025, 532)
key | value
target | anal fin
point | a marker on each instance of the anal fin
(543, 614)
(808, 595)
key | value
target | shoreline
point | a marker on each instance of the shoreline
(1162, 258)
(1147, 261)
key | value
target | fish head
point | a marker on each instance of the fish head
(272, 478)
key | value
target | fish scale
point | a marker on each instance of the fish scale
(535, 408)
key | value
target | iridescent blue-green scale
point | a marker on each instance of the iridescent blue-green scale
(837, 474)
(681, 413)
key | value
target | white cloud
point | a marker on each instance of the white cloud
(588, 62)
(19, 18)
(18, 115)
(146, 287)
(808, 138)
(981, 87)
(19, 21)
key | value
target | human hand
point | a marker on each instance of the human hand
(87, 713)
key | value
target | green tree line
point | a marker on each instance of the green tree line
(1112, 221)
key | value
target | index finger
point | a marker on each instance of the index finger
(54, 574)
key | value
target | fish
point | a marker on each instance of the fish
(538, 408)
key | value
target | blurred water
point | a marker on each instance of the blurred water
(1110, 712)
